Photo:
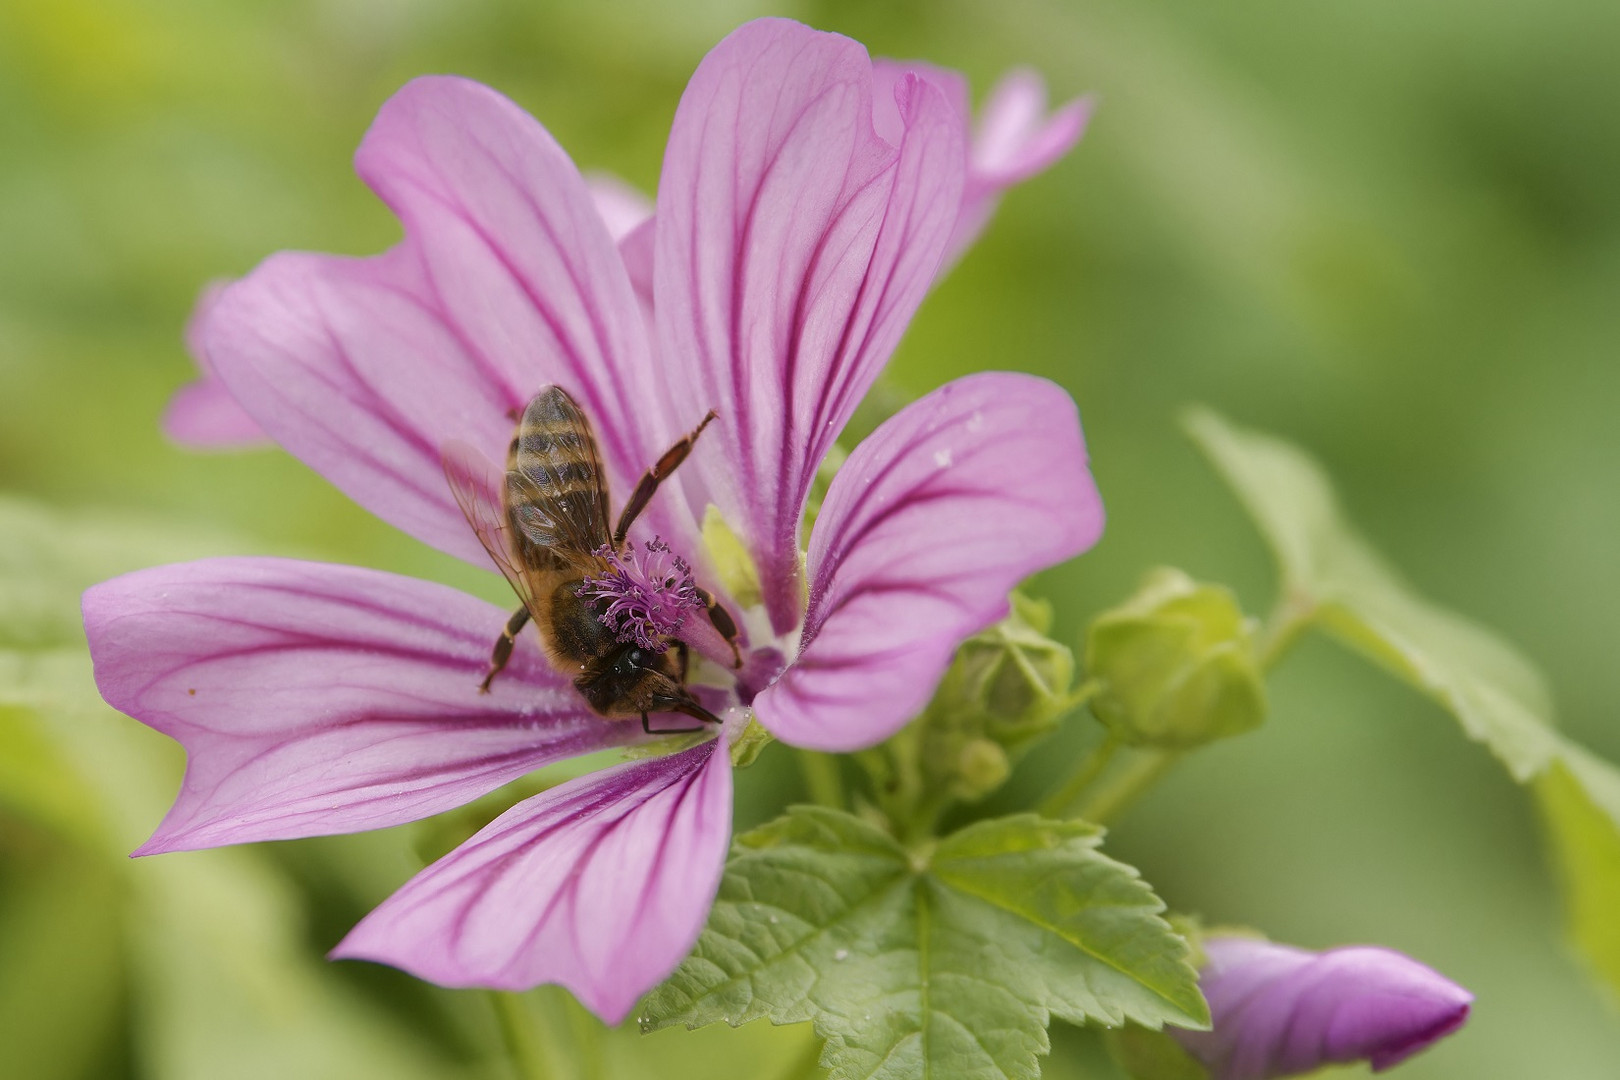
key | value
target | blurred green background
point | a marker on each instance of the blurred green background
(1389, 230)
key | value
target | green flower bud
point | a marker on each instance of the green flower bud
(981, 767)
(1009, 683)
(1174, 665)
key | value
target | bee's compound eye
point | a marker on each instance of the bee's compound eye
(636, 658)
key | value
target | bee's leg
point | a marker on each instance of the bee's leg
(654, 476)
(684, 659)
(503, 647)
(723, 622)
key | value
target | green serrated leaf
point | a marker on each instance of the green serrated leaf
(1332, 578)
(947, 963)
(1052, 878)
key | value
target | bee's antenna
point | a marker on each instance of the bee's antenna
(690, 707)
(684, 705)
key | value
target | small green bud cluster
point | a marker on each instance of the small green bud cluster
(1174, 666)
(1009, 685)
(1006, 688)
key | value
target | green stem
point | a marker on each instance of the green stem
(517, 1034)
(821, 777)
(1091, 767)
(1079, 696)
(1289, 619)
(1128, 785)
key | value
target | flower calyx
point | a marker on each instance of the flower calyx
(1174, 666)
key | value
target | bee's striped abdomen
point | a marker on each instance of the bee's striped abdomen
(556, 492)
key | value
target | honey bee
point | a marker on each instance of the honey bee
(550, 534)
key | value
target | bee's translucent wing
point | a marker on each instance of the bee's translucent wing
(555, 487)
(475, 481)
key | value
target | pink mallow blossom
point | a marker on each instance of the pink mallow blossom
(791, 243)
(1013, 139)
(1280, 1011)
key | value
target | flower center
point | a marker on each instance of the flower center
(643, 596)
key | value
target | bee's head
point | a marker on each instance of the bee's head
(632, 680)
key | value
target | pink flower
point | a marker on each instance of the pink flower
(1281, 1011)
(790, 246)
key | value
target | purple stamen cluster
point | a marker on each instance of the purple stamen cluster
(644, 597)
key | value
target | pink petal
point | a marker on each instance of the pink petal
(636, 249)
(620, 205)
(628, 215)
(315, 699)
(924, 530)
(517, 252)
(887, 77)
(507, 281)
(1279, 1011)
(1016, 139)
(202, 415)
(793, 246)
(602, 885)
(350, 366)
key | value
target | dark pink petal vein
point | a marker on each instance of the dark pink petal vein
(315, 699)
(924, 530)
(601, 884)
